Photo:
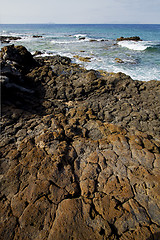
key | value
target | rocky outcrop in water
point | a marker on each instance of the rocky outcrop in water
(37, 36)
(8, 39)
(136, 38)
(80, 151)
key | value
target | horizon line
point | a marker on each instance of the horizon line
(50, 23)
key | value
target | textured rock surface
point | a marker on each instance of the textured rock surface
(80, 153)
(136, 38)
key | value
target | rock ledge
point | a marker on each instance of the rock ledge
(80, 152)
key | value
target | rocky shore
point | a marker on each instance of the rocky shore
(80, 151)
(136, 38)
(8, 39)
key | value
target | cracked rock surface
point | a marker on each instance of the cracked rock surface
(80, 152)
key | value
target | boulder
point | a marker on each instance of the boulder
(16, 62)
(18, 54)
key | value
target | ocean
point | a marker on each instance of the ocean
(97, 42)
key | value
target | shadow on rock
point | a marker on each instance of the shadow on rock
(156, 236)
(17, 88)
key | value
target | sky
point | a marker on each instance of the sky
(80, 11)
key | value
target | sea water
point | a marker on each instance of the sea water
(140, 60)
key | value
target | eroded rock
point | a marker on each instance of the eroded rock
(136, 38)
(80, 161)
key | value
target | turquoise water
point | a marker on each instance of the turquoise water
(141, 60)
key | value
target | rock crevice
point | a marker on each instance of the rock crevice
(80, 152)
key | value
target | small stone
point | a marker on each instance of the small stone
(118, 60)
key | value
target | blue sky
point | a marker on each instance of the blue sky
(80, 11)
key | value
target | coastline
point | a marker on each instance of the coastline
(77, 144)
(139, 59)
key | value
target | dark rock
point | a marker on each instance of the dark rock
(37, 53)
(129, 39)
(82, 38)
(93, 40)
(16, 63)
(37, 36)
(19, 54)
(7, 39)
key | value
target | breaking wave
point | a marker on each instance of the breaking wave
(137, 46)
(140, 46)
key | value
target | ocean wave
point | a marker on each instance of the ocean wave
(80, 35)
(154, 48)
(86, 39)
(137, 46)
(26, 39)
(63, 42)
(140, 46)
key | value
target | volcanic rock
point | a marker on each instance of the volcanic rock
(37, 36)
(79, 156)
(136, 38)
(18, 54)
(7, 39)
(83, 59)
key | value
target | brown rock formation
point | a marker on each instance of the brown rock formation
(80, 153)
(136, 38)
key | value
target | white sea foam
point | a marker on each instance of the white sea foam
(86, 39)
(62, 42)
(137, 46)
(82, 37)
(26, 39)
(79, 35)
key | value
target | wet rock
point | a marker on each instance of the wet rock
(37, 36)
(118, 60)
(82, 38)
(93, 40)
(136, 38)
(7, 39)
(83, 59)
(37, 53)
